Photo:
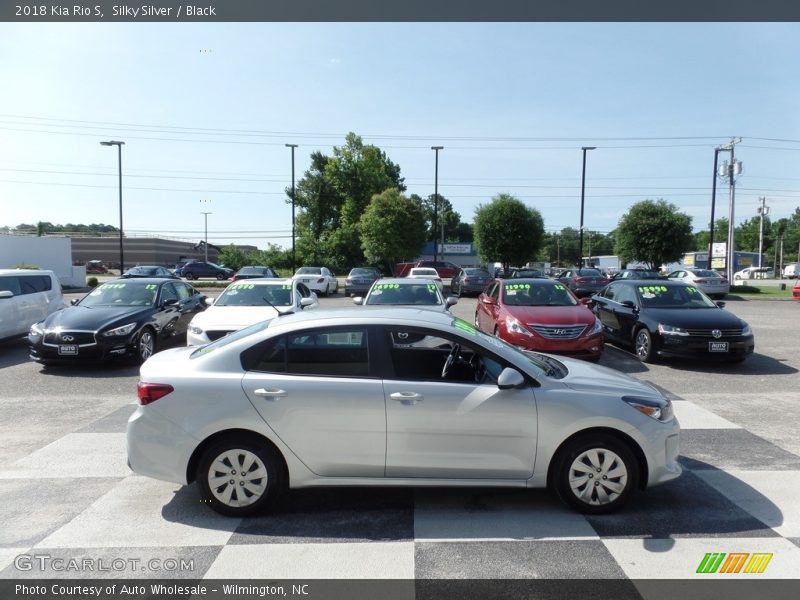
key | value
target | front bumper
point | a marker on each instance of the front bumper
(101, 349)
(699, 346)
(587, 348)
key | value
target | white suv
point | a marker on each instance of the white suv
(27, 297)
(791, 271)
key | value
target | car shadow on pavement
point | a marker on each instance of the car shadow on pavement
(705, 502)
(13, 352)
(756, 364)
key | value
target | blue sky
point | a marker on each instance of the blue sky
(205, 111)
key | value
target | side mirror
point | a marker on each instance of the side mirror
(510, 378)
(358, 300)
(628, 304)
(74, 301)
(306, 302)
(487, 300)
(6, 294)
(209, 301)
(451, 301)
(586, 301)
(169, 302)
(720, 304)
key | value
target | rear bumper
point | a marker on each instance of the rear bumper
(157, 447)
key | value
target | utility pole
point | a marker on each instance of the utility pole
(780, 264)
(435, 197)
(731, 170)
(762, 210)
(292, 146)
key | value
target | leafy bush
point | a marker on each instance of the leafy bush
(91, 282)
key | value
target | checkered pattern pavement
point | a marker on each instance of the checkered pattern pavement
(75, 498)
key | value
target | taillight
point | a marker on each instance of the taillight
(235, 278)
(701, 281)
(150, 392)
(580, 280)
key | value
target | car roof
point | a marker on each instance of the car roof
(25, 272)
(263, 281)
(366, 315)
(401, 281)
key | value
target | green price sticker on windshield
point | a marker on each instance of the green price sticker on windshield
(560, 286)
(150, 286)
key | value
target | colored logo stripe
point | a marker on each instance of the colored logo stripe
(758, 562)
(714, 562)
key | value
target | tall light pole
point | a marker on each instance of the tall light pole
(713, 202)
(731, 170)
(119, 157)
(583, 196)
(292, 146)
(205, 239)
(436, 197)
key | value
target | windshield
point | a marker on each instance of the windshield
(662, 296)
(128, 293)
(309, 271)
(477, 273)
(362, 273)
(251, 294)
(537, 293)
(422, 293)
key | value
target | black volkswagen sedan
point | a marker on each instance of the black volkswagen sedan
(123, 317)
(670, 318)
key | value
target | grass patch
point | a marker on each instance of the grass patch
(762, 292)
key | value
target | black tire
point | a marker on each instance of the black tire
(261, 493)
(644, 347)
(346, 293)
(221, 276)
(595, 474)
(145, 345)
(190, 276)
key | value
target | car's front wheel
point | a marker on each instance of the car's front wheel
(221, 276)
(145, 345)
(595, 474)
(190, 276)
(239, 477)
(643, 344)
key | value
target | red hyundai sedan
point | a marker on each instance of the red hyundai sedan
(541, 315)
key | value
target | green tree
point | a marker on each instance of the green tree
(233, 257)
(444, 214)
(507, 231)
(333, 195)
(655, 233)
(392, 228)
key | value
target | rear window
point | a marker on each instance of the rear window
(20, 285)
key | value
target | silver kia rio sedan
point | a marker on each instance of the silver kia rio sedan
(399, 396)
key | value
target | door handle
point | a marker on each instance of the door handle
(270, 393)
(408, 398)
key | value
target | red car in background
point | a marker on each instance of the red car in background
(796, 290)
(541, 315)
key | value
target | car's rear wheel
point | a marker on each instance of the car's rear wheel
(643, 345)
(239, 477)
(190, 276)
(145, 345)
(595, 474)
(221, 276)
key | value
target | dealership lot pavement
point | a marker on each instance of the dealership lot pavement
(67, 493)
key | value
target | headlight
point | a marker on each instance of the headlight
(747, 330)
(124, 330)
(670, 330)
(514, 326)
(659, 409)
(195, 330)
(36, 329)
(596, 328)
